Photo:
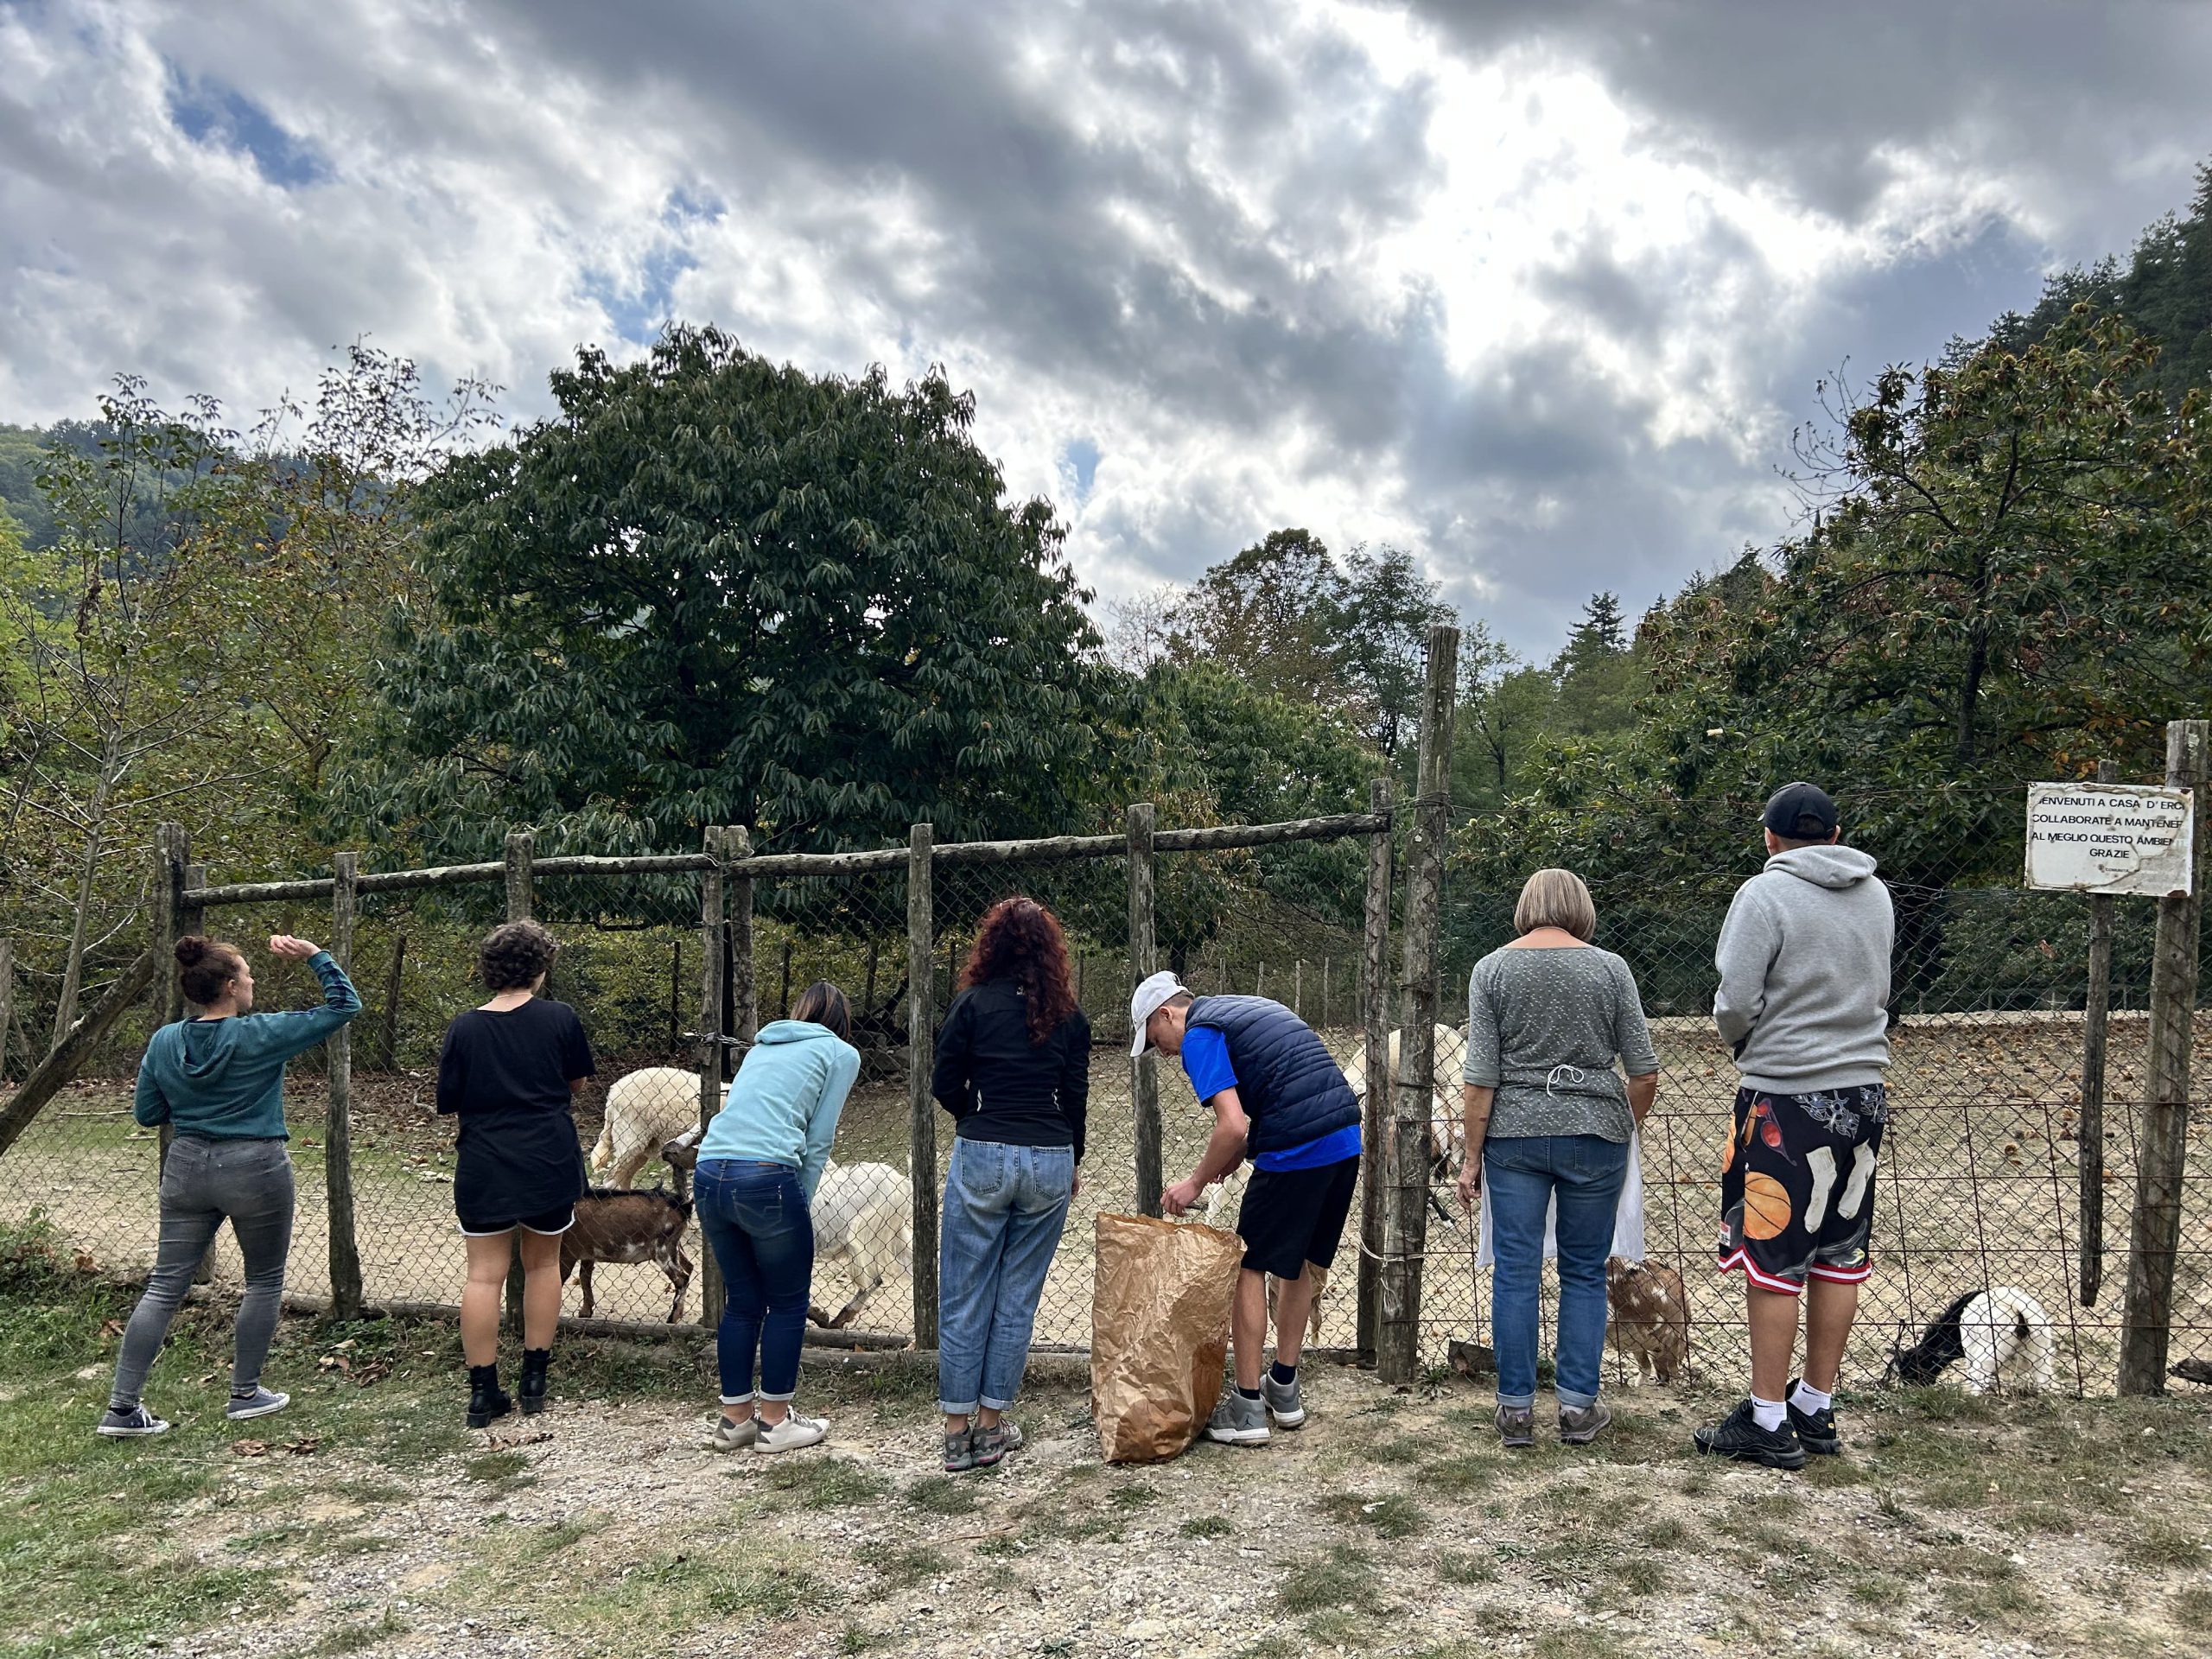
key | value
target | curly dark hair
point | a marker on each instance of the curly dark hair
(1019, 939)
(514, 954)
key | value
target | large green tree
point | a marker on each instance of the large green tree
(714, 590)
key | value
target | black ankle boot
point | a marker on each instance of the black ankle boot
(486, 1399)
(532, 1386)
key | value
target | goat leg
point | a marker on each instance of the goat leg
(820, 1315)
(679, 1275)
(583, 1279)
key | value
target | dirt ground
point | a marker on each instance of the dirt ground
(1979, 1187)
(365, 1519)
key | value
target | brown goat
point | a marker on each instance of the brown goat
(622, 1224)
(1650, 1320)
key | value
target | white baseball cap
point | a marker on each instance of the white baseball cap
(1155, 993)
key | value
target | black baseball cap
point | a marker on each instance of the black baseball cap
(1800, 812)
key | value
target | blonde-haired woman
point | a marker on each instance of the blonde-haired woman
(1549, 1119)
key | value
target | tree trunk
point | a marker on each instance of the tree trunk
(73, 965)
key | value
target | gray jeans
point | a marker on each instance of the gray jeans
(204, 1182)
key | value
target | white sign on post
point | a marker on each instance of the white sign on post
(2110, 838)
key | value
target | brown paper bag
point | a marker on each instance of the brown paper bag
(1158, 1333)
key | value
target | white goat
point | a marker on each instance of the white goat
(643, 1110)
(863, 1218)
(1448, 1125)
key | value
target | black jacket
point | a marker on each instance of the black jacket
(1000, 1087)
(1288, 1081)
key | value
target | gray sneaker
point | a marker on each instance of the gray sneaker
(992, 1444)
(960, 1451)
(726, 1436)
(1580, 1428)
(1237, 1420)
(259, 1404)
(1517, 1426)
(134, 1424)
(1286, 1405)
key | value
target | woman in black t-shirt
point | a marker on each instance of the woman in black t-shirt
(507, 1071)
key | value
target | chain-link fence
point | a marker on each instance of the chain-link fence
(1978, 1186)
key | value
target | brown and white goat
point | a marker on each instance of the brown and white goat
(1651, 1317)
(626, 1225)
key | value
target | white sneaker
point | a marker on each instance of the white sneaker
(726, 1436)
(790, 1434)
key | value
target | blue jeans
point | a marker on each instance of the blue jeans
(755, 1220)
(1004, 1211)
(1521, 1174)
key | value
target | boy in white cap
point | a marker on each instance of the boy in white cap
(1279, 1098)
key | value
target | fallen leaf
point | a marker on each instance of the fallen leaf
(250, 1449)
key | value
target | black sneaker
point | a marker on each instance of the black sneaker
(1739, 1436)
(1815, 1430)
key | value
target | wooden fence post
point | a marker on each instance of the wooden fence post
(1375, 1028)
(713, 911)
(1405, 1208)
(345, 1290)
(784, 986)
(743, 995)
(521, 898)
(2090, 1132)
(7, 1000)
(1144, 961)
(921, 1015)
(2161, 1139)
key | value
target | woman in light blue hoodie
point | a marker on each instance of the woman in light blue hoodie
(758, 1164)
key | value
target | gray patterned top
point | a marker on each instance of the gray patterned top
(1544, 1025)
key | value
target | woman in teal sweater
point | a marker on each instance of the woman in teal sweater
(218, 1080)
(759, 1163)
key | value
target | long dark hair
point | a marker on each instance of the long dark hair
(822, 1004)
(1019, 939)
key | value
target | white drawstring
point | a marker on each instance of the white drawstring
(1575, 1075)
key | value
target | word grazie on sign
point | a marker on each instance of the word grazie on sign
(2110, 838)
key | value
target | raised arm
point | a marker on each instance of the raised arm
(295, 1033)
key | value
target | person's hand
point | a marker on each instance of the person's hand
(283, 944)
(1470, 1180)
(1180, 1197)
(1075, 1187)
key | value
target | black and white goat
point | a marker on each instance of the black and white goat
(626, 1224)
(2002, 1334)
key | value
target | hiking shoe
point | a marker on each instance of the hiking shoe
(1738, 1436)
(790, 1435)
(259, 1404)
(992, 1444)
(1580, 1426)
(960, 1451)
(1517, 1426)
(1286, 1404)
(1815, 1430)
(132, 1425)
(1238, 1421)
(726, 1436)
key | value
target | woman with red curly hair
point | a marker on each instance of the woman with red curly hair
(1013, 1068)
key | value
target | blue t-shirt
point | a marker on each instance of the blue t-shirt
(1206, 1063)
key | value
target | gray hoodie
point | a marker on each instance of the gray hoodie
(1804, 961)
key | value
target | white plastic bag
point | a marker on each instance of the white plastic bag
(1628, 1217)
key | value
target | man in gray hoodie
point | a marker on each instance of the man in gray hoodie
(1804, 961)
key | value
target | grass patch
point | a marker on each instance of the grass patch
(1335, 1582)
(352, 1638)
(496, 1466)
(1133, 1496)
(901, 1567)
(1879, 1590)
(2161, 1543)
(1572, 1642)
(1207, 1526)
(1456, 1477)
(1394, 1516)
(1406, 1449)
(2192, 1608)
(827, 1483)
(1668, 1532)
(1453, 1567)
(942, 1498)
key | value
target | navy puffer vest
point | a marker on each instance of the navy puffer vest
(1291, 1087)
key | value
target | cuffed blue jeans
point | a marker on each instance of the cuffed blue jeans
(1005, 1207)
(755, 1220)
(1520, 1176)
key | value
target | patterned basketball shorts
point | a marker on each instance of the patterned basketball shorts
(1797, 1190)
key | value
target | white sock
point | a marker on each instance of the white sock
(1767, 1414)
(1807, 1398)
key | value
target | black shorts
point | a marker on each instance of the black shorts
(1797, 1190)
(1291, 1217)
(548, 1224)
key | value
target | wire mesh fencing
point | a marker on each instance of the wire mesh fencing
(1979, 1186)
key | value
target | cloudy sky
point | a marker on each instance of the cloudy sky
(1536, 288)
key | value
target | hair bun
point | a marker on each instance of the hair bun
(191, 949)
